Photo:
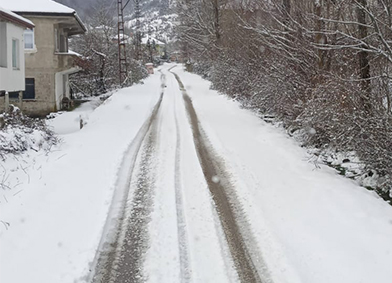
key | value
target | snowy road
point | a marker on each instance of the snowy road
(173, 182)
(194, 209)
(173, 162)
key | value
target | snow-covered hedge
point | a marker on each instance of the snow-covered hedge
(19, 133)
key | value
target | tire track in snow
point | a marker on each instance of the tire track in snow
(228, 215)
(110, 259)
(134, 239)
(185, 272)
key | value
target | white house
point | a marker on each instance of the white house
(12, 59)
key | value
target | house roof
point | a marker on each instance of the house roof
(14, 18)
(38, 6)
(157, 42)
(42, 8)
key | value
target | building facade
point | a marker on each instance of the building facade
(12, 59)
(48, 62)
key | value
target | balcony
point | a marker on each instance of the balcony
(65, 60)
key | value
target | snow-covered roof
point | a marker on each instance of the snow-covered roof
(157, 42)
(74, 53)
(12, 17)
(35, 6)
(43, 7)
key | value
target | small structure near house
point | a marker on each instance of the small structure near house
(150, 68)
(66, 103)
(157, 46)
(177, 56)
(12, 59)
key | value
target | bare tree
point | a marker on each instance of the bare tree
(99, 56)
(319, 64)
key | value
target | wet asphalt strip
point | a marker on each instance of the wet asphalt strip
(218, 181)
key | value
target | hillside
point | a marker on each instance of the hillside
(157, 20)
(87, 7)
(155, 25)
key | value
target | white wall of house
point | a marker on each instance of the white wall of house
(59, 89)
(62, 85)
(12, 60)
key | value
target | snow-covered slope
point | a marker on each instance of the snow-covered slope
(157, 26)
(158, 20)
(158, 17)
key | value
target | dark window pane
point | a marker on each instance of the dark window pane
(29, 93)
(13, 95)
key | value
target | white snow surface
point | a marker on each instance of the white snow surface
(52, 220)
(44, 6)
(310, 225)
(183, 202)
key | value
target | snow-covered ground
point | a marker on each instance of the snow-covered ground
(312, 225)
(305, 224)
(58, 204)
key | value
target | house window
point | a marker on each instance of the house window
(15, 53)
(29, 93)
(3, 45)
(29, 39)
(13, 95)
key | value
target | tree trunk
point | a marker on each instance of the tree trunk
(102, 75)
(286, 11)
(320, 37)
(216, 20)
(363, 56)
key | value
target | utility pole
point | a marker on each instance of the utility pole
(122, 53)
(149, 44)
(138, 37)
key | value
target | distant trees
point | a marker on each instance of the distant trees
(99, 56)
(319, 64)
